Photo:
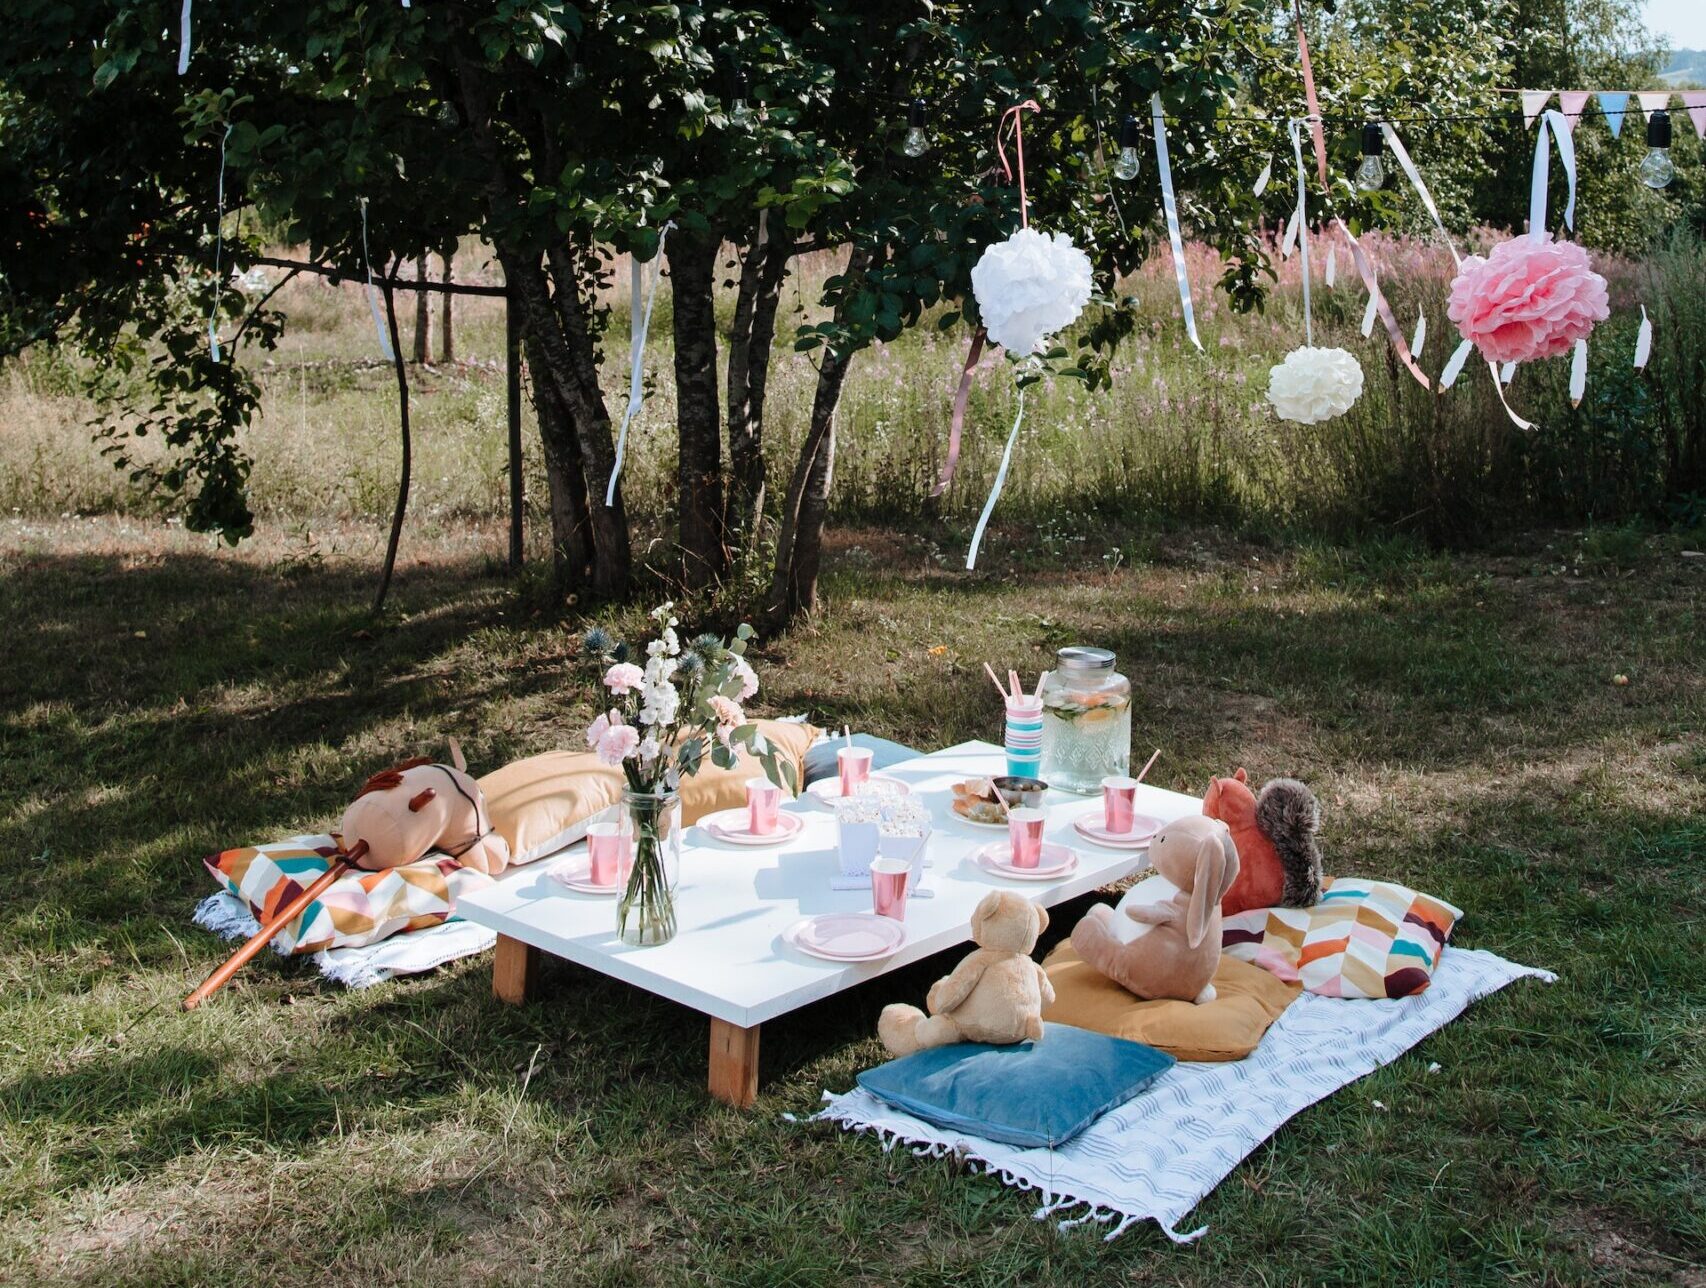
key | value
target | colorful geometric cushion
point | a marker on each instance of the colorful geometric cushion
(1364, 939)
(358, 908)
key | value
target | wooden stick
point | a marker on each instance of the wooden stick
(266, 934)
(1150, 765)
(990, 672)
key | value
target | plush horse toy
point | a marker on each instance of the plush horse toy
(1279, 864)
(398, 816)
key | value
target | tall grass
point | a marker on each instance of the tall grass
(1182, 437)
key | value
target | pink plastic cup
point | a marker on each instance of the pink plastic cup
(607, 847)
(1119, 804)
(1025, 834)
(763, 806)
(888, 887)
(855, 766)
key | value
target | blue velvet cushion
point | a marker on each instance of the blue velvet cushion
(1033, 1094)
(820, 760)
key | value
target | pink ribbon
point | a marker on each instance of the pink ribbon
(1365, 268)
(1316, 135)
(1015, 114)
(961, 397)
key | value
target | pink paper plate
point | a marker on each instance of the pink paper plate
(829, 789)
(730, 825)
(847, 936)
(575, 872)
(1143, 830)
(1057, 861)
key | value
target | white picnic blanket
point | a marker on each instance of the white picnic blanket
(229, 917)
(1160, 1154)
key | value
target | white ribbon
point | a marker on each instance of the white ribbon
(1454, 368)
(184, 38)
(1421, 336)
(639, 325)
(1262, 179)
(1579, 373)
(218, 245)
(1507, 373)
(1643, 341)
(995, 490)
(1170, 206)
(1301, 220)
(373, 295)
(1560, 130)
(1368, 314)
(1332, 274)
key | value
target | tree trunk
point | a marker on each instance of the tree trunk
(692, 271)
(423, 315)
(446, 340)
(404, 469)
(762, 273)
(799, 543)
(573, 552)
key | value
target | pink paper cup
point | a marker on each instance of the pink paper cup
(855, 766)
(1025, 834)
(1119, 804)
(888, 887)
(763, 806)
(607, 847)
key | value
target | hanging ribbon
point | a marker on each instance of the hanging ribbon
(1015, 114)
(1379, 307)
(184, 38)
(1170, 207)
(218, 245)
(1578, 373)
(639, 326)
(1643, 341)
(372, 294)
(1421, 336)
(1454, 368)
(1331, 276)
(1552, 122)
(961, 396)
(1262, 179)
(1315, 132)
(1301, 221)
(1000, 482)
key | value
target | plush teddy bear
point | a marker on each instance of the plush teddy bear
(1279, 862)
(996, 994)
(405, 811)
(1175, 947)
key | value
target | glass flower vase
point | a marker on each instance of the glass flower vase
(645, 912)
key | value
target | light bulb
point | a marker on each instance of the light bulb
(1370, 174)
(739, 112)
(917, 142)
(1656, 169)
(1129, 162)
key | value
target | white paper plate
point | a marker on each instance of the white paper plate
(1143, 831)
(575, 872)
(730, 825)
(972, 822)
(1058, 862)
(829, 789)
(847, 936)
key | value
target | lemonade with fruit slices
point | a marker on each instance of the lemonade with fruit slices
(1086, 721)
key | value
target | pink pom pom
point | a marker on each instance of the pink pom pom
(1527, 300)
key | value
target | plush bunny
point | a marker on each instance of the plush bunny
(1176, 946)
(417, 806)
(1279, 862)
(995, 994)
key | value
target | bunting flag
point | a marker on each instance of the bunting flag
(1573, 101)
(1614, 105)
(1653, 102)
(1533, 100)
(639, 326)
(1695, 101)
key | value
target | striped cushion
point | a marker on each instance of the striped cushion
(1364, 939)
(358, 908)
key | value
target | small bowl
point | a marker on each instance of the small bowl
(1020, 792)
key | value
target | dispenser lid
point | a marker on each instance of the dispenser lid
(1078, 657)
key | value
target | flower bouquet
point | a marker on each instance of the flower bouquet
(666, 717)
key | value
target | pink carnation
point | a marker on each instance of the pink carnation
(618, 743)
(623, 678)
(1528, 299)
(747, 677)
(596, 731)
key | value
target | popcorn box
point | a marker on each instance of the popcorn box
(867, 830)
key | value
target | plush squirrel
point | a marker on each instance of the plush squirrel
(403, 812)
(1173, 948)
(1279, 862)
(995, 994)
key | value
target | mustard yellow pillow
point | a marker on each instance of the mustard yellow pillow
(543, 803)
(1247, 1000)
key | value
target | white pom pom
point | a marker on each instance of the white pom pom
(1030, 286)
(1313, 385)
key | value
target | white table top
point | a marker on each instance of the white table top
(728, 958)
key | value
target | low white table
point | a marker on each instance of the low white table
(728, 959)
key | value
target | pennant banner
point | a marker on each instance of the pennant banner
(1695, 101)
(1574, 102)
(1653, 102)
(1614, 106)
(1533, 100)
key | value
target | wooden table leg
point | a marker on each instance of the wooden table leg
(734, 1063)
(513, 969)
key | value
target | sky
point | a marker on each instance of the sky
(1684, 21)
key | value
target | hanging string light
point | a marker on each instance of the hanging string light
(1656, 168)
(1371, 174)
(917, 141)
(1129, 162)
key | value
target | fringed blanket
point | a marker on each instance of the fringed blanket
(1159, 1155)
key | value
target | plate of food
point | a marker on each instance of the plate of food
(977, 802)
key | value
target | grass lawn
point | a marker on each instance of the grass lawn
(1458, 717)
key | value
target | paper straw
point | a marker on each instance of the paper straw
(990, 672)
(1149, 765)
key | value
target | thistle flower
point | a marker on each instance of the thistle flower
(597, 642)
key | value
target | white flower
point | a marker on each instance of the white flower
(649, 747)
(1313, 385)
(1030, 286)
